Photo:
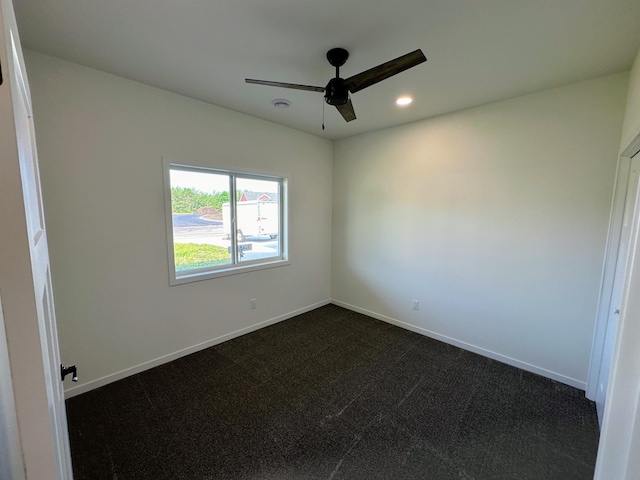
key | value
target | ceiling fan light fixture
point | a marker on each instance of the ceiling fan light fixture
(338, 90)
(281, 103)
(403, 101)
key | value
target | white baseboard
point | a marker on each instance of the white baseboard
(100, 382)
(467, 346)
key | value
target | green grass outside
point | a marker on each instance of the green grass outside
(190, 256)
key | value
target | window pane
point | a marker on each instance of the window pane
(258, 218)
(200, 237)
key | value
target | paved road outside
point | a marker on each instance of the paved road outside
(192, 228)
(192, 220)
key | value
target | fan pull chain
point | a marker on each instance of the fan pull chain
(323, 114)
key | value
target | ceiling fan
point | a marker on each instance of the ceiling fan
(336, 92)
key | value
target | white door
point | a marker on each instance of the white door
(25, 280)
(618, 284)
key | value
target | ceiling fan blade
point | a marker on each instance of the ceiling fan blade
(285, 85)
(347, 111)
(384, 71)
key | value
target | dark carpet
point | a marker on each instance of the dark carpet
(332, 394)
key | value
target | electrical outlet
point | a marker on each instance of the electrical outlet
(252, 303)
(416, 304)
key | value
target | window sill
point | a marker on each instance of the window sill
(232, 270)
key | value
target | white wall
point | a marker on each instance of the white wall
(494, 218)
(631, 125)
(101, 139)
(619, 448)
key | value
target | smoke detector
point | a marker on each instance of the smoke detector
(281, 103)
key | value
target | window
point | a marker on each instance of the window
(221, 222)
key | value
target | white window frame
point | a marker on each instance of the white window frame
(179, 278)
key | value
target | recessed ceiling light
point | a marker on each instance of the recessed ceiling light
(403, 101)
(281, 103)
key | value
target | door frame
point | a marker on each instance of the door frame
(612, 251)
(11, 464)
(620, 433)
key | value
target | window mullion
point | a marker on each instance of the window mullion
(280, 220)
(234, 220)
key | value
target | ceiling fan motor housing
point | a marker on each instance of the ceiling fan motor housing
(336, 92)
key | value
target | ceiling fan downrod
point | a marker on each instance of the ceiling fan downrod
(336, 92)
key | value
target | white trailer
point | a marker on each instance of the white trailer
(254, 218)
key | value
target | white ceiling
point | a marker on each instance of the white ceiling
(478, 51)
